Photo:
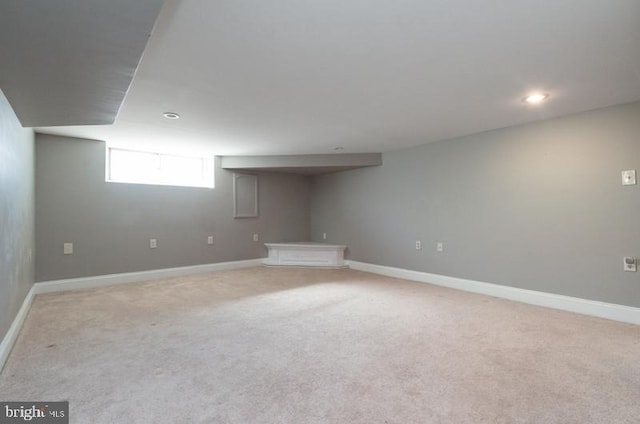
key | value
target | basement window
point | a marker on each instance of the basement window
(137, 167)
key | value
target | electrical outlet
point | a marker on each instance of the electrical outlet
(210, 240)
(629, 177)
(256, 237)
(153, 243)
(440, 246)
(630, 264)
(418, 245)
(67, 248)
(324, 236)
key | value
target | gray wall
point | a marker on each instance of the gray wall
(537, 206)
(110, 224)
(16, 214)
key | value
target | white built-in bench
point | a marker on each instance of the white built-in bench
(305, 254)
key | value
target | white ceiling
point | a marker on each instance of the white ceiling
(60, 71)
(303, 76)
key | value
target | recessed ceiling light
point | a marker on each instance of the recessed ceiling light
(171, 115)
(535, 98)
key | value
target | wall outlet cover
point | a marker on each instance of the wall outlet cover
(630, 264)
(629, 177)
(67, 248)
(210, 240)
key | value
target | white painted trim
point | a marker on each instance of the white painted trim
(12, 335)
(305, 254)
(578, 305)
(611, 311)
(132, 277)
(105, 280)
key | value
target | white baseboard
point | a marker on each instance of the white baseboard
(12, 335)
(132, 277)
(611, 311)
(594, 308)
(105, 280)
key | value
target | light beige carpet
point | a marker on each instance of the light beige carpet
(302, 346)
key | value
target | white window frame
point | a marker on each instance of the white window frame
(207, 163)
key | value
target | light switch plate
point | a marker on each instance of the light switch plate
(153, 243)
(210, 240)
(629, 177)
(67, 248)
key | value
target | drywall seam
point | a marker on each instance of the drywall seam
(594, 308)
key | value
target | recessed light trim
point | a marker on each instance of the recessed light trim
(535, 98)
(171, 115)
